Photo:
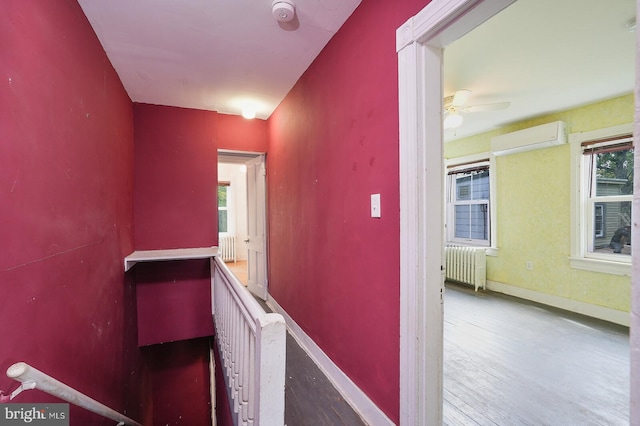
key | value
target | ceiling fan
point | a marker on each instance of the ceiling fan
(454, 106)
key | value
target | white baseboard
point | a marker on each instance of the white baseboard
(360, 402)
(594, 311)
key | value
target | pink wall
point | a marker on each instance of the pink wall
(175, 207)
(67, 165)
(239, 134)
(334, 142)
(181, 394)
(66, 176)
(175, 172)
(173, 301)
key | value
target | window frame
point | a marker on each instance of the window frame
(467, 163)
(583, 207)
(226, 208)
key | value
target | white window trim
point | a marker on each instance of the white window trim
(579, 258)
(492, 249)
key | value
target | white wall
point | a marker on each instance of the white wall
(237, 176)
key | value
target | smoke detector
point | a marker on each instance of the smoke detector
(283, 10)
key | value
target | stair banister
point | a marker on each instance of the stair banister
(33, 378)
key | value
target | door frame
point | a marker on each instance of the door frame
(419, 43)
(242, 158)
(258, 286)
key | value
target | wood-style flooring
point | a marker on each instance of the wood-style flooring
(512, 362)
(310, 399)
(507, 362)
(239, 269)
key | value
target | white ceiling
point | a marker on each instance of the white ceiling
(220, 55)
(542, 56)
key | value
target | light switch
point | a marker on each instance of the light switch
(375, 205)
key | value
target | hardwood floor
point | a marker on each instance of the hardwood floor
(239, 269)
(310, 399)
(507, 362)
(511, 362)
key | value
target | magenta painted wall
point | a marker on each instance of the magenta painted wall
(237, 133)
(181, 393)
(174, 301)
(333, 142)
(176, 172)
(175, 175)
(175, 207)
(66, 215)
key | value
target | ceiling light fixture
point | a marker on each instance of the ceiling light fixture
(249, 113)
(283, 10)
(453, 120)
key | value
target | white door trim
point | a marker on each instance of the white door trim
(257, 281)
(419, 43)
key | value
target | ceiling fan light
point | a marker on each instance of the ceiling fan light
(452, 121)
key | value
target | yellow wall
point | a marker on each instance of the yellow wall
(533, 211)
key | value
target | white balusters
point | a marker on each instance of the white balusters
(252, 350)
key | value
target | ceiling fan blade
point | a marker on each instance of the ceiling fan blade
(460, 97)
(487, 107)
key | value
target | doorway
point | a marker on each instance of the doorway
(420, 43)
(242, 217)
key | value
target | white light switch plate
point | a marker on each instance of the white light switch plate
(375, 205)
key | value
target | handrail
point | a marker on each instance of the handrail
(247, 301)
(32, 378)
(252, 348)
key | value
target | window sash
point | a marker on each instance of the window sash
(467, 226)
(472, 226)
(591, 150)
(593, 247)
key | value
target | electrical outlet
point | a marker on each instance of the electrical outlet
(529, 265)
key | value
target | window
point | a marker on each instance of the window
(608, 175)
(468, 203)
(601, 199)
(223, 207)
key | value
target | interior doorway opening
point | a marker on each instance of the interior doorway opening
(419, 44)
(242, 217)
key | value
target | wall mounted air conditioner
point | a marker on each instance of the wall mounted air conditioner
(537, 137)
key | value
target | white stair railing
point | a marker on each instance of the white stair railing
(252, 348)
(32, 378)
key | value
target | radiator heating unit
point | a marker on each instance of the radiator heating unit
(467, 265)
(227, 248)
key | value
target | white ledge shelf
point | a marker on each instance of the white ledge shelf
(170, 254)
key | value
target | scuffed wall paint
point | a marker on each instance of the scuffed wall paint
(333, 142)
(66, 182)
